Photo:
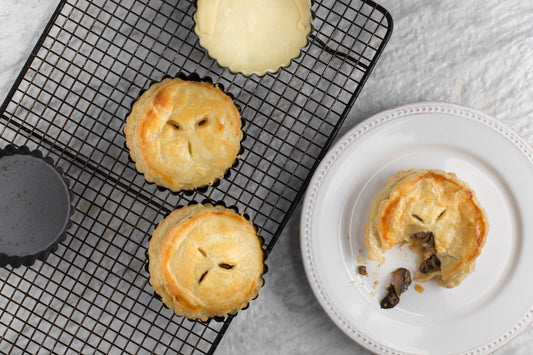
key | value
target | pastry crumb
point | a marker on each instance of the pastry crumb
(361, 269)
(419, 288)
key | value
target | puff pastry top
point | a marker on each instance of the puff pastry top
(253, 36)
(183, 134)
(429, 201)
(205, 261)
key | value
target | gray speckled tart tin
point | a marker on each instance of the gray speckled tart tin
(35, 206)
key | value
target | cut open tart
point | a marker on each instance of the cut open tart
(437, 214)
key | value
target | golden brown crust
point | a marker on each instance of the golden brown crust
(183, 134)
(205, 261)
(429, 201)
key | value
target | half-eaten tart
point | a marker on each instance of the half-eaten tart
(437, 214)
(206, 261)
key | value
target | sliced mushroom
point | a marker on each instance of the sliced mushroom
(391, 299)
(401, 279)
(430, 264)
(430, 261)
(427, 237)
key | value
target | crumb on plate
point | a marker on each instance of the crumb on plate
(419, 288)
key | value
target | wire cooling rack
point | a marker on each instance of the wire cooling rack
(70, 101)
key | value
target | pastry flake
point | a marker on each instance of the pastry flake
(436, 213)
(183, 134)
(205, 261)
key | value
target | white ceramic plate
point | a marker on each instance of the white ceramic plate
(494, 303)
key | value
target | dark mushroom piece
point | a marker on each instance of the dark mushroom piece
(430, 264)
(391, 299)
(401, 279)
(430, 261)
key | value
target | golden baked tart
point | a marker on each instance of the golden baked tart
(253, 36)
(437, 214)
(183, 134)
(205, 261)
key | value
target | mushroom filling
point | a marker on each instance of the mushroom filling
(430, 261)
(401, 279)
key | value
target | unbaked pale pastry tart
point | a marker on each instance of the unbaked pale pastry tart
(437, 214)
(253, 36)
(183, 134)
(206, 261)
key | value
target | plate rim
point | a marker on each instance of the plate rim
(369, 124)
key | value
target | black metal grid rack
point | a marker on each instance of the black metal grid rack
(70, 101)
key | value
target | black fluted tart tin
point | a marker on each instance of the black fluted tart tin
(35, 206)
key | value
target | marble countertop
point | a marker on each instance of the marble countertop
(439, 51)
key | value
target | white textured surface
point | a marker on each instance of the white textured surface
(474, 53)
